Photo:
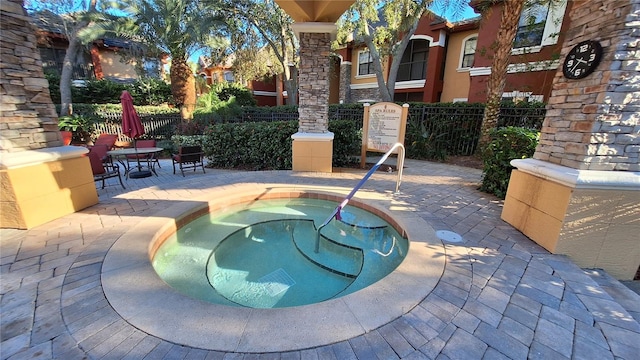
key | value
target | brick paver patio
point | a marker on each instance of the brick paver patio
(501, 296)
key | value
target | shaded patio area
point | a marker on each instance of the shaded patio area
(500, 295)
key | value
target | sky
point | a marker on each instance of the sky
(452, 16)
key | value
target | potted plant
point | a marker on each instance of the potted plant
(78, 126)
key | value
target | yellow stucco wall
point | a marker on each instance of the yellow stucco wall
(456, 80)
(311, 153)
(40, 192)
(596, 228)
(113, 66)
(367, 78)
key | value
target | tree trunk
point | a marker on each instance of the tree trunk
(66, 105)
(378, 65)
(70, 57)
(183, 87)
(511, 12)
(291, 86)
(399, 50)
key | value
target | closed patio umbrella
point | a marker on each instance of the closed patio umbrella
(132, 127)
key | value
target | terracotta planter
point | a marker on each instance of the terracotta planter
(66, 137)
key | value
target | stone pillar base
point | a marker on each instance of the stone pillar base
(312, 151)
(42, 185)
(591, 216)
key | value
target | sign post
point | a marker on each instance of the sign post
(384, 125)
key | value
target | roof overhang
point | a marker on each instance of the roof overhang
(315, 10)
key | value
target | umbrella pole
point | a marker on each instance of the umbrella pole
(140, 173)
(135, 146)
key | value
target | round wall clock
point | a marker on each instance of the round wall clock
(582, 59)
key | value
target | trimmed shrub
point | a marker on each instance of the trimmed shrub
(251, 146)
(54, 86)
(97, 110)
(145, 91)
(150, 91)
(243, 96)
(267, 145)
(508, 143)
(98, 92)
(347, 142)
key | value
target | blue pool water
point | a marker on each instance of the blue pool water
(262, 255)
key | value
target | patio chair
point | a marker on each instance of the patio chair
(188, 157)
(106, 139)
(101, 151)
(101, 170)
(149, 158)
(104, 143)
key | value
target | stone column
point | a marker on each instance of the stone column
(39, 179)
(28, 119)
(580, 193)
(313, 143)
(345, 82)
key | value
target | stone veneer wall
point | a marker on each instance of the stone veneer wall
(345, 81)
(28, 118)
(357, 95)
(594, 123)
(313, 80)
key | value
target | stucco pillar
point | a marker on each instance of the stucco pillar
(580, 193)
(313, 143)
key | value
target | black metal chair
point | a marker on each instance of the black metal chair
(188, 157)
(103, 170)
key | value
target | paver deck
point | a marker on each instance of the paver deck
(501, 296)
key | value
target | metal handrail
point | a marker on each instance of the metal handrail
(336, 211)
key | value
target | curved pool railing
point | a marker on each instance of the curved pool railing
(336, 211)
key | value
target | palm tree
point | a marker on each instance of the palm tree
(179, 28)
(511, 11)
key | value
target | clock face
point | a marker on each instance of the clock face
(582, 59)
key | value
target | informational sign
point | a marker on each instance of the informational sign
(384, 126)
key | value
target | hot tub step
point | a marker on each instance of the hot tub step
(332, 256)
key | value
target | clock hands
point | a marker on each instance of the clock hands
(578, 61)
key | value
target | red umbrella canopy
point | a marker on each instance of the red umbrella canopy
(131, 124)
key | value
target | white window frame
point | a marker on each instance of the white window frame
(462, 49)
(552, 26)
(358, 76)
(228, 76)
(516, 95)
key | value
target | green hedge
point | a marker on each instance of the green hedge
(347, 142)
(95, 110)
(145, 91)
(254, 146)
(507, 144)
(267, 145)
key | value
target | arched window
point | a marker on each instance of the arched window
(413, 65)
(468, 51)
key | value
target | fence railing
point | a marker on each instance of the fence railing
(158, 127)
(455, 130)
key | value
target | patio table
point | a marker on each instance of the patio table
(121, 156)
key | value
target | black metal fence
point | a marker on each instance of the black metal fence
(455, 130)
